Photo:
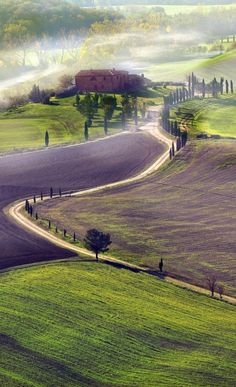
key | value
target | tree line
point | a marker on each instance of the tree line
(89, 104)
(25, 21)
(195, 88)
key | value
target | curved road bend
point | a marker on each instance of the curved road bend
(77, 167)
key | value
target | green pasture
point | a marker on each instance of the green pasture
(209, 115)
(88, 324)
(24, 127)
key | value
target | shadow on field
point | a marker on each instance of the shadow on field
(119, 265)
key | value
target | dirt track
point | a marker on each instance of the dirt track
(77, 167)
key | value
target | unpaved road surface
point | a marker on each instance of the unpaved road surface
(76, 167)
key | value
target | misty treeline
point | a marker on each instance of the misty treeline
(41, 25)
(45, 23)
(36, 18)
(151, 35)
(95, 3)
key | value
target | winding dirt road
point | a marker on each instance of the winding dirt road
(15, 211)
(76, 167)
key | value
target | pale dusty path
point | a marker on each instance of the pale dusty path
(15, 211)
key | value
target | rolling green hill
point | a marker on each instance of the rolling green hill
(88, 324)
(209, 115)
(24, 127)
(218, 66)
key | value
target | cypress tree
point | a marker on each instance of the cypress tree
(41, 196)
(231, 86)
(203, 88)
(74, 237)
(46, 138)
(227, 86)
(170, 152)
(193, 84)
(177, 95)
(34, 199)
(36, 216)
(136, 116)
(189, 86)
(77, 99)
(60, 192)
(176, 128)
(105, 124)
(173, 148)
(123, 120)
(27, 205)
(64, 233)
(86, 133)
(51, 192)
(49, 224)
(221, 85)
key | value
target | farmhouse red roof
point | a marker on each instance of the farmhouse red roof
(104, 72)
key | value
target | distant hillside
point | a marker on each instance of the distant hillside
(221, 65)
(94, 3)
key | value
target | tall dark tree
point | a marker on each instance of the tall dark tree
(108, 104)
(77, 99)
(184, 138)
(161, 264)
(46, 138)
(227, 86)
(189, 86)
(105, 124)
(221, 85)
(27, 205)
(231, 86)
(87, 108)
(214, 88)
(35, 94)
(97, 241)
(212, 283)
(203, 88)
(173, 149)
(193, 83)
(86, 133)
(123, 119)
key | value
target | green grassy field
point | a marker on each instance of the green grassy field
(88, 324)
(25, 126)
(218, 66)
(210, 115)
(184, 214)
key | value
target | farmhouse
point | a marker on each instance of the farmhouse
(109, 81)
